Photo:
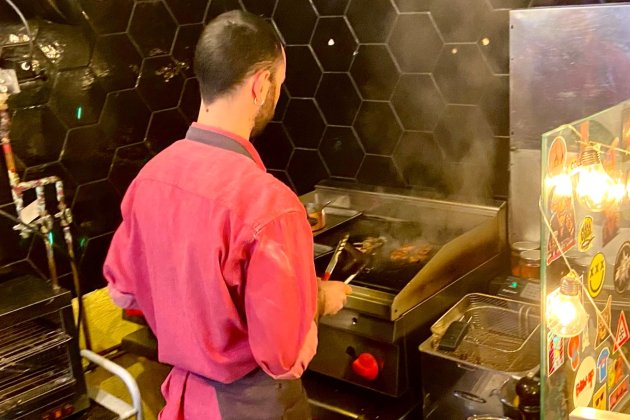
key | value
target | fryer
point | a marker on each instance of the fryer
(396, 299)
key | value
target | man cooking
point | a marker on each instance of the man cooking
(217, 253)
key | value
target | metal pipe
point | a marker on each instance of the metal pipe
(45, 222)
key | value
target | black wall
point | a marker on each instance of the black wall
(389, 92)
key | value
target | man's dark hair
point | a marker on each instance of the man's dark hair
(233, 46)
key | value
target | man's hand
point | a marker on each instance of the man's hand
(332, 296)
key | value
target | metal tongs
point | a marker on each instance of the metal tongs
(335, 257)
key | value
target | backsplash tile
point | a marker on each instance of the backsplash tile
(389, 92)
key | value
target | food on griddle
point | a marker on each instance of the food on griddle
(370, 244)
(409, 253)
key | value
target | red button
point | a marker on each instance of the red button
(366, 366)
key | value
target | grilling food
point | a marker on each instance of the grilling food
(370, 244)
(408, 253)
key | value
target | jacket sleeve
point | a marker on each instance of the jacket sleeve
(281, 296)
(121, 262)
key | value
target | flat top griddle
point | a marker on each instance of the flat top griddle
(382, 272)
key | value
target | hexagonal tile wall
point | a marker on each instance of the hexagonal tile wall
(338, 99)
(372, 20)
(410, 32)
(417, 102)
(116, 62)
(377, 127)
(152, 28)
(123, 88)
(303, 72)
(304, 123)
(374, 72)
(333, 43)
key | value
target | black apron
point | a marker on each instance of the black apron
(256, 395)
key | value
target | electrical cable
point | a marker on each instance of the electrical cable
(26, 25)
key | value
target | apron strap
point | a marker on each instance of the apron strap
(216, 140)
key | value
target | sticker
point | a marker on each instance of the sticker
(603, 320)
(618, 393)
(599, 399)
(584, 384)
(573, 351)
(610, 227)
(622, 332)
(596, 274)
(602, 364)
(586, 342)
(622, 268)
(557, 156)
(562, 222)
(556, 353)
(585, 235)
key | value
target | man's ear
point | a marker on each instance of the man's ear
(260, 86)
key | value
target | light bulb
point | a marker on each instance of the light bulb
(617, 192)
(561, 184)
(565, 314)
(594, 184)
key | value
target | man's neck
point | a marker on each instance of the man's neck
(225, 116)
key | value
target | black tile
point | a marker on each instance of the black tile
(65, 46)
(462, 129)
(165, 128)
(379, 170)
(377, 127)
(341, 151)
(331, 7)
(128, 161)
(184, 47)
(77, 98)
(161, 82)
(495, 104)
(304, 123)
(415, 43)
(372, 20)
(107, 16)
(152, 28)
(191, 100)
(306, 169)
(303, 72)
(413, 5)
(283, 177)
(220, 6)
(5, 187)
(295, 19)
(274, 146)
(459, 20)
(281, 106)
(91, 264)
(96, 208)
(494, 42)
(37, 136)
(188, 11)
(260, 7)
(417, 102)
(462, 74)
(509, 4)
(333, 43)
(87, 154)
(12, 246)
(420, 159)
(116, 62)
(374, 72)
(53, 169)
(338, 99)
(125, 118)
